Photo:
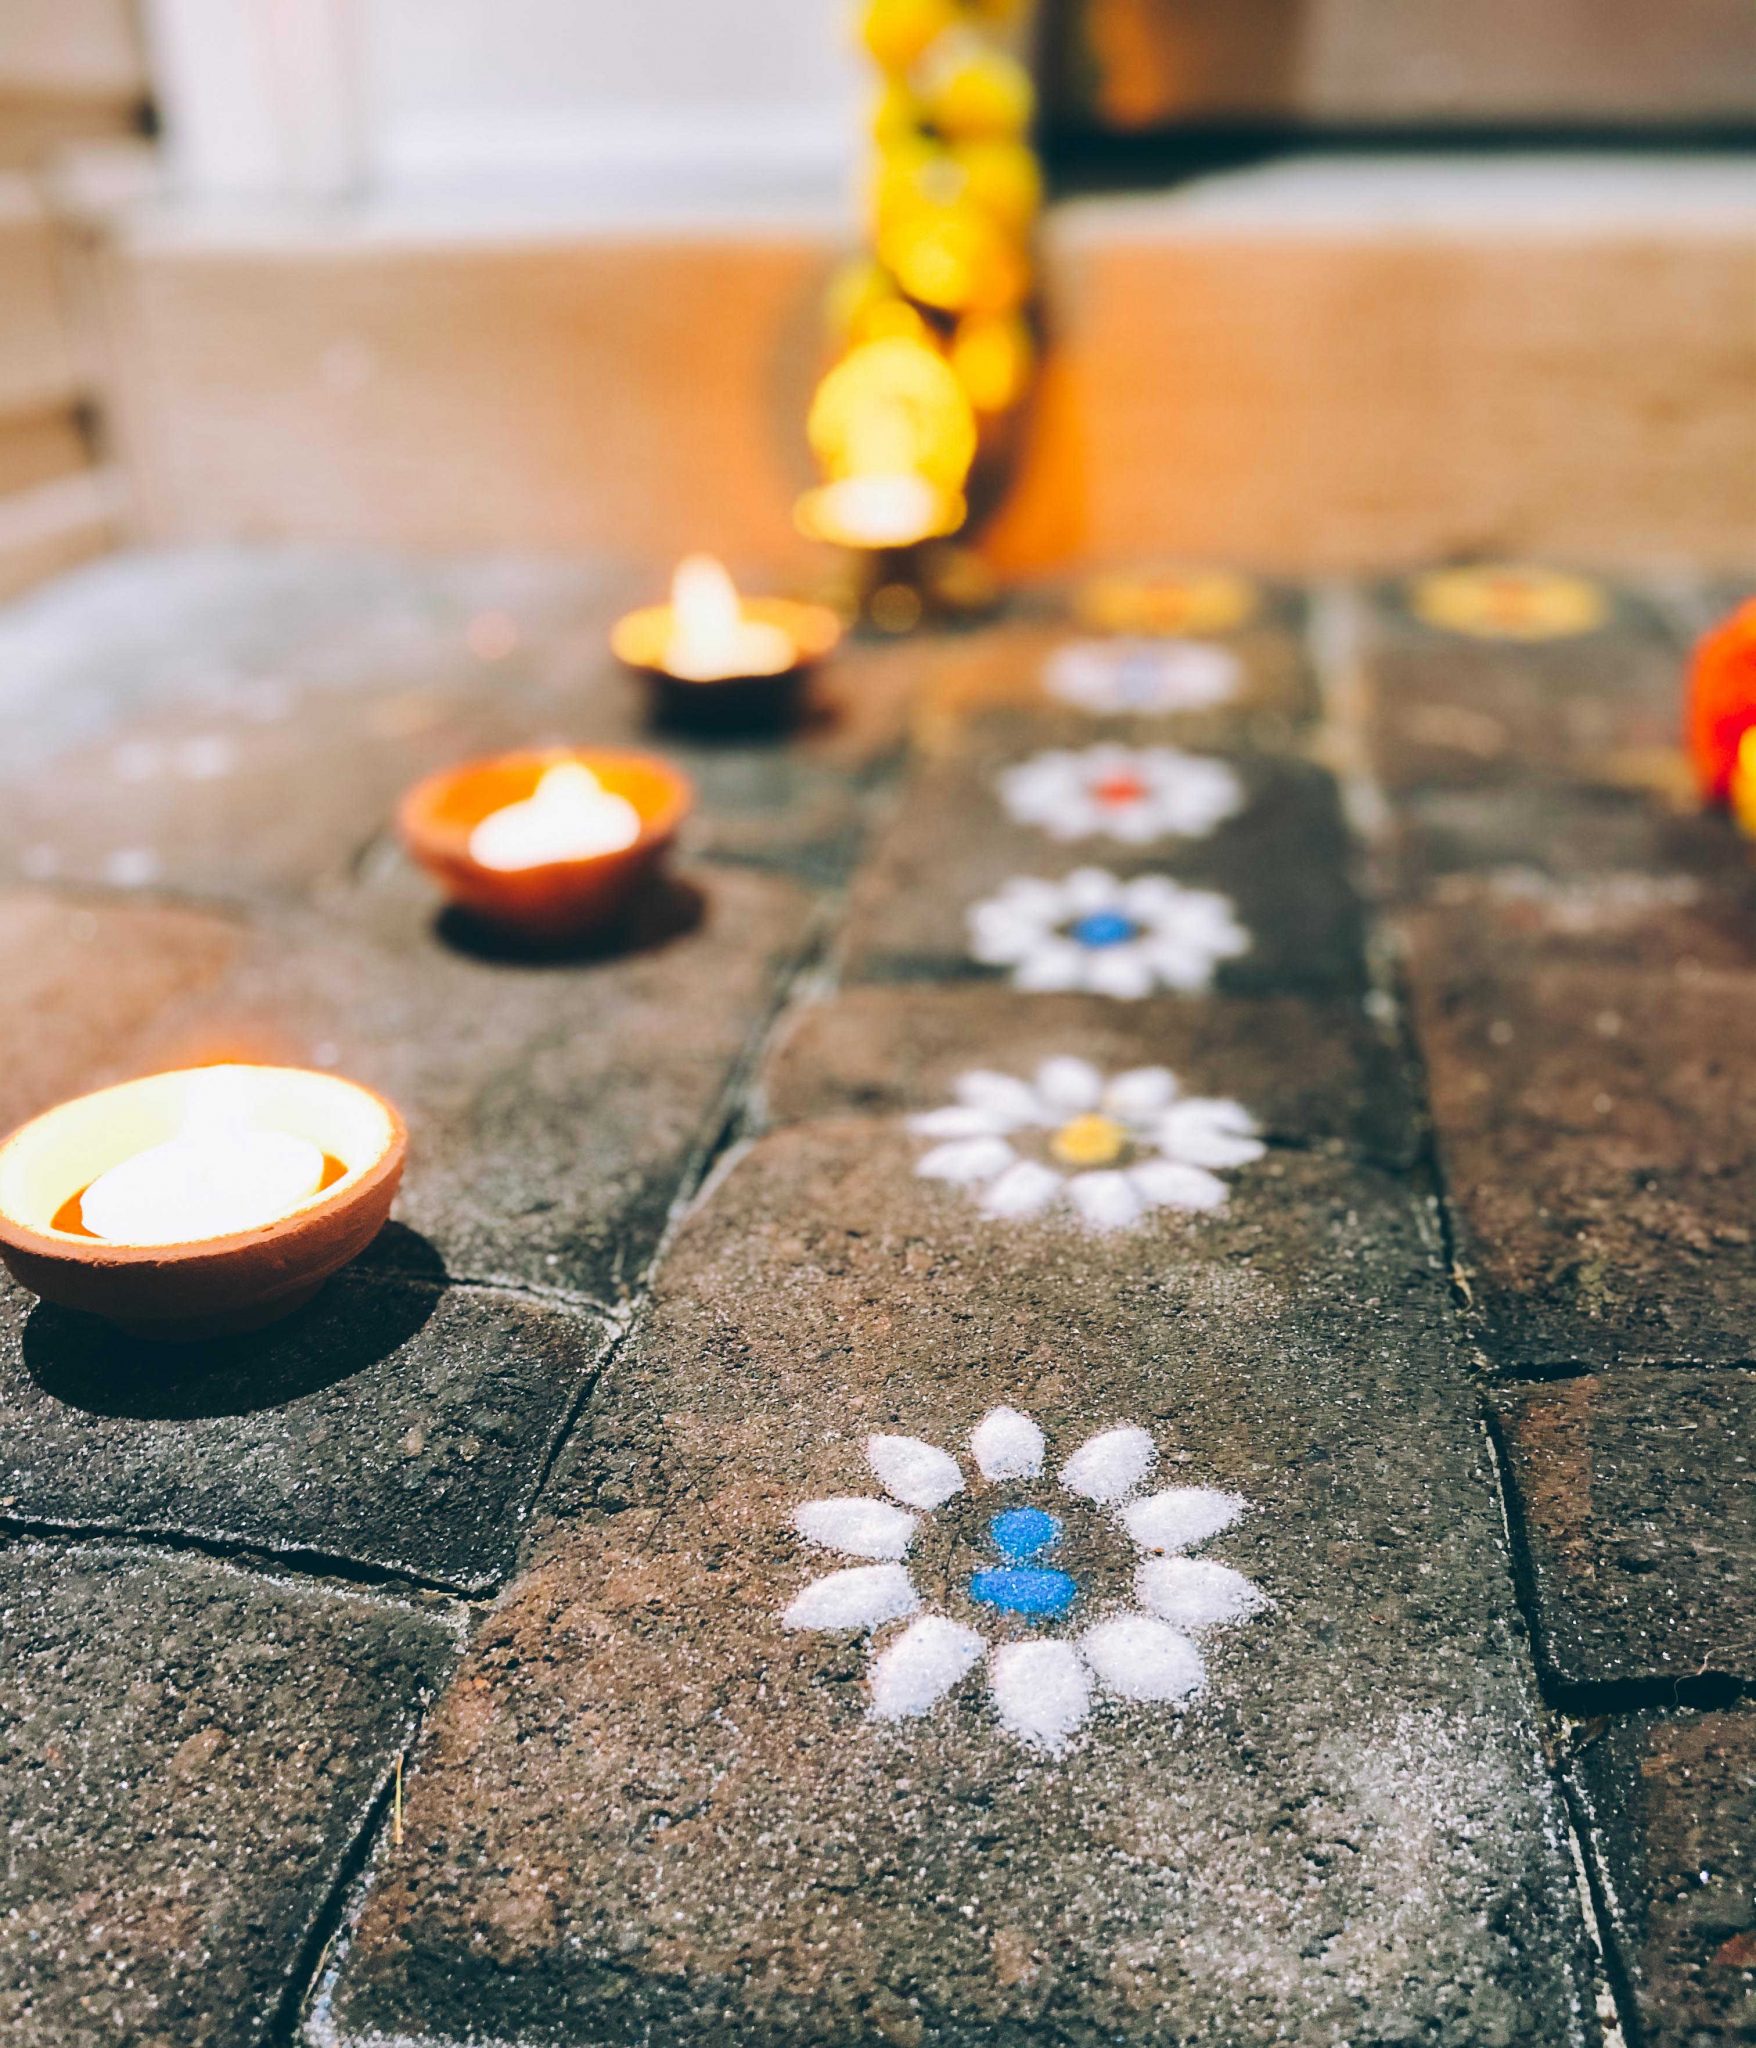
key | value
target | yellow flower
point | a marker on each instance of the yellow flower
(1003, 178)
(956, 258)
(893, 408)
(993, 355)
(898, 33)
(978, 94)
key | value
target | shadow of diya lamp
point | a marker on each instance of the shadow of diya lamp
(717, 662)
(552, 845)
(198, 1203)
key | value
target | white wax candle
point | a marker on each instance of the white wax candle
(568, 816)
(710, 636)
(219, 1174)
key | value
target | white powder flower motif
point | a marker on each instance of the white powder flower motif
(1136, 794)
(1146, 676)
(1110, 1149)
(1094, 932)
(1049, 1638)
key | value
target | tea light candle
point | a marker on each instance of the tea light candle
(568, 816)
(880, 512)
(711, 638)
(220, 1173)
(713, 658)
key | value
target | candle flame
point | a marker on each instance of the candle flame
(711, 638)
(568, 816)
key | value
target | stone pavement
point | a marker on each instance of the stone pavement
(822, 1589)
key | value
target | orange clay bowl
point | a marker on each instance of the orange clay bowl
(562, 899)
(211, 1286)
(727, 703)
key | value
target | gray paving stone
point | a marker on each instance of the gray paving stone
(83, 978)
(1449, 711)
(390, 1424)
(987, 683)
(187, 1752)
(1670, 1801)
(647, 1811)
(1311, 1072)
(1283, 860)
(1597, 1128)
(555, 1107)
(1636, 1494)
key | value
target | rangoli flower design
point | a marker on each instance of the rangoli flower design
(1135, 794)
(1111, 677)
(1050, 1637)
(1094, 932)
(1111, 1150)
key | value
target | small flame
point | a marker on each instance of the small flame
(711, 638)
(568, 816)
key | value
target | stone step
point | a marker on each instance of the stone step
(1318, 363)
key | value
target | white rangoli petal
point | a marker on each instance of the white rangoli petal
(857, 1528)
(1088, 890)
(863, 1597)
(917, 1473)
(1001, 940)
(1024, 1189)
(958, 1120)
(1140, 1094)
(1105, 1201)
(1195, 1592)
(1181, 1516)
(1040, 1691)
(1051, 966)
(1123, 973)
(1168, 1184)
(1069, 1086)
(1110, 1464)
(1208, 1131)
(916, 1671)
(1007, 1445)
(1001, 1096)
(1142, 1658)
(966, 1159)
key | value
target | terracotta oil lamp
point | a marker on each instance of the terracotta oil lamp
(715, 661)
(550, 844)
(198, 1203)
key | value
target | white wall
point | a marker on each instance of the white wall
(620, 100)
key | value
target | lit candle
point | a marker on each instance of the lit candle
(893, 511)
(711, 637)
(568, 816)
(219, 1174)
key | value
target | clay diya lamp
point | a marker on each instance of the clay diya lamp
(198, 1203)
(889, 527)
(713, 661)
(551, 845)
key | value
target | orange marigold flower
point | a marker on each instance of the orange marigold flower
(1722, 699)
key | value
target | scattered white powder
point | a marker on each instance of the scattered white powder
(1007, 1445)
(1041, 1692)
(1107, 1466)
(1143, 1659)
(921, 1666)
(857, 1528)
(863, 1597)
(1180, 1517)
(919, 1473)
(1195, 1592)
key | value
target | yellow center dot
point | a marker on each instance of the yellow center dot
(1089, 1141)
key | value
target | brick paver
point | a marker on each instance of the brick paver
(1671, 1805)
(188, 1753)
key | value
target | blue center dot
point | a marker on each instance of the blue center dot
(1104, 928)
(1018, 1586)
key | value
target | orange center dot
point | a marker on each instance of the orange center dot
(1089, 1141)
(1119, 789)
